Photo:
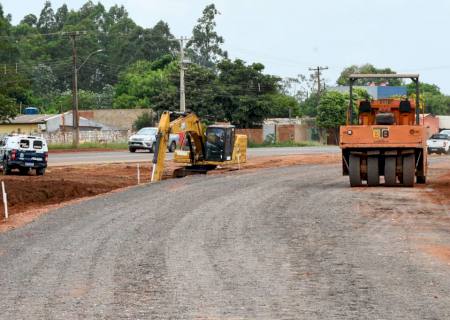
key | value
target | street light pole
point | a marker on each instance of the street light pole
(75, 114)
(76, 129)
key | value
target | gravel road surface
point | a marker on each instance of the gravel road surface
(74, 158)
(286, 243)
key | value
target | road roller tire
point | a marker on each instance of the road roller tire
(390, 171)
(354, 171)
(408, 170)
(373, 172)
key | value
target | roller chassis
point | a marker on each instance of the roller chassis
(387, 141)
(365, 158)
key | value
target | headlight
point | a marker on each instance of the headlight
(349, 132)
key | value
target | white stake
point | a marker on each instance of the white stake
(5, 200)
(138, 174)
(153, 172)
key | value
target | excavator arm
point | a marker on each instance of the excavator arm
(187, 123)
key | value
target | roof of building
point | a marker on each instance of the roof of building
(30, 118)
(68, 122)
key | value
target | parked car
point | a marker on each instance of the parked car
(438, 143)
(145, 139)
(24, 153)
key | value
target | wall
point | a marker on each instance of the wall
(431, 124)
(253, 135)
(292, 132)
(121, 119)
(93, 136)
(24, 128)
(285, 132)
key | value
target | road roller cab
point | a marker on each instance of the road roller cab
(385, 139)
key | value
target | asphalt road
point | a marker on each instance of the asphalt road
(286, 243)
(74, 158)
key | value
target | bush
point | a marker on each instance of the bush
(144, 120)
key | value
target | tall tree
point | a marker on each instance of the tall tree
(205, 46)
(46, 22)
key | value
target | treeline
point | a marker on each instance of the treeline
(137, 67)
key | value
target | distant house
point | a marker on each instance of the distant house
(376, 92)
(47, 123)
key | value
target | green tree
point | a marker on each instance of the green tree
(283, 106)
(244, 92)
(331, 112)
(435, 102)
(332, 109)
(29, 19)
(367, 68)
(8, 108)
(204, 47)
(144, 120)
(140, 85)
(308, 107)
(46, 22)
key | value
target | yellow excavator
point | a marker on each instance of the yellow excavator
(207, 147)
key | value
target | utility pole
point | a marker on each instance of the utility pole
(75, 117)
(182, 69)
(318, 70)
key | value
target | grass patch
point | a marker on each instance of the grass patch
(284, 144)
(89, 145)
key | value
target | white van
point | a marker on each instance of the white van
(25, 153)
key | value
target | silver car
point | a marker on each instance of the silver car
(145, 139)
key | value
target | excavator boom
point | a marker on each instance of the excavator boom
(189, 124)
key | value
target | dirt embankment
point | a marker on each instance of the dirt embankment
(30, 196)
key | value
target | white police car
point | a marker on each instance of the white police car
(24, 153)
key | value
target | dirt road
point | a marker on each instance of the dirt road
(285, 243)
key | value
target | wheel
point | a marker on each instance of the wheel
(409, 170)
(24, 171)
(389, 171)
(40, 171)
(354, 171)
(172, 146)
(373, 174)
(421, 180)
(6, 168)
(132, 149)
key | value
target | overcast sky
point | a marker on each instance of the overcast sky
(288, 36)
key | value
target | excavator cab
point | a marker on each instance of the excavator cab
(219, 142)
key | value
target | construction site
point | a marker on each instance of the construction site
(147, 174)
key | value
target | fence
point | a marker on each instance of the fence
(95, 136)
(253, 135)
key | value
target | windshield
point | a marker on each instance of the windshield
(439, 136)
(148, 131)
